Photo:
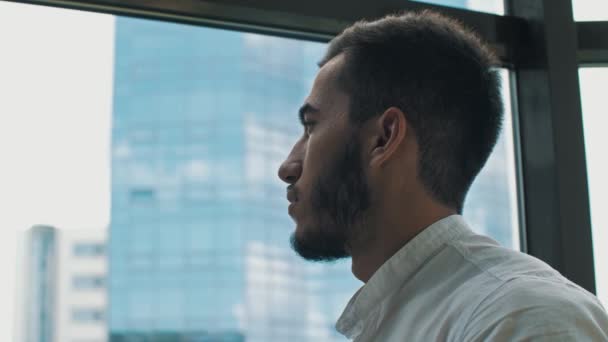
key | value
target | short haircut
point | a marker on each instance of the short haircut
(442, 77)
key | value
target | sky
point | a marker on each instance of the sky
(55, 112)
(594, 82)
(55, 124)
(590, 10)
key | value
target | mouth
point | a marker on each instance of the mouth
(292, 197)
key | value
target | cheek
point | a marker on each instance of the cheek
(320, 151)
(314, 160)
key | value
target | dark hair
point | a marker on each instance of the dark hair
(442, 77)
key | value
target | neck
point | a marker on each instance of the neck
(391, 233)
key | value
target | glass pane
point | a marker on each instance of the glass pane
(594, 82)
(489, 6)
(191, 135)
(590, 10)
(491, 205)
(54, 139)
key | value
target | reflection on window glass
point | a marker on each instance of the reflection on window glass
(489, 6)
(590, 10)
(594, 82)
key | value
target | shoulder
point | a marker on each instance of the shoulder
(500, 262)
(531, 307)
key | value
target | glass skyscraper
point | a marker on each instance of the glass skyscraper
(199, 239)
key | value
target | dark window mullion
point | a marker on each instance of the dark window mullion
(553, 156)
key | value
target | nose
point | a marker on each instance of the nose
(290, 171)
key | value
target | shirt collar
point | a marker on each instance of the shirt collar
(396, 271)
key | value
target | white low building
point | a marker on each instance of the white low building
(62, 285)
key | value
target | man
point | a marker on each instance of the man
(402, 116)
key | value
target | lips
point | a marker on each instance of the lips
(292, 197)
(290, 209)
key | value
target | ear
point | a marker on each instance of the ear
(389, 133)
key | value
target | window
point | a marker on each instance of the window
(590, 10)
(247, 133)
(197, 124)
(594, 82)
(87, 315)
(87, 282)
(89, 249)
(491, 204)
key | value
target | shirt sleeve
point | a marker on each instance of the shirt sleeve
(537, 311)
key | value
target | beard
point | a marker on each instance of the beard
(339, 199)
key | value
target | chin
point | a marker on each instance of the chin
(300, 231)
(315, 247)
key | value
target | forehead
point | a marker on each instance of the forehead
(325, 93)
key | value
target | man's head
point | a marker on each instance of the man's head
(404, 110)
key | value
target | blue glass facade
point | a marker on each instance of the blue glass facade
(199, 239)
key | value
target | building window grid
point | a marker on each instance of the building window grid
(88, 249)
(88, 282)
(87, 315)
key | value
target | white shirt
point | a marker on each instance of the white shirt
(450, 284)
